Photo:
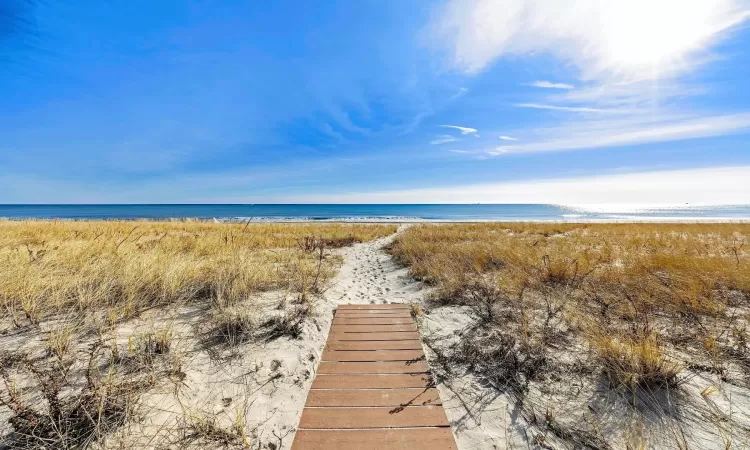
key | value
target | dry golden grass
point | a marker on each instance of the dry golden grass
(637, 362)
(641, 308)
(686, 268)
(75, 297)
(50, 267)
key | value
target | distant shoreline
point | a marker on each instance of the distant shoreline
(400, 221)
(382, 213)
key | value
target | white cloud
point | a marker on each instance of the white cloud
(560, 108)
(507, 138)
(460, 93)
(629, 55)
(705, 186)
(630, 130)
(631, 96)
(551, 85)
(445, 139)
(463, 130)
(623, 39)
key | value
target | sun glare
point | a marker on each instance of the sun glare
(657, 35)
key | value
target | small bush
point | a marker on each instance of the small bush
(144, 349)
(501, 358)
(68, 417)
(289, 323)
(59, 341)
(636, 362)
(234, 326)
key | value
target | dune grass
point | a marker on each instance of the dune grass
(50, 267)
(640, 308)
(91, 320)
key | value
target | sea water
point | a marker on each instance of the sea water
(380, 213)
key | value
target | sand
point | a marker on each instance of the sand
(259, 387)
(263, 386)
(479, 418)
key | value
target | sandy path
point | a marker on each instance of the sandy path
(367, 275)
(265, 383)
(480, 418)
(370, 275)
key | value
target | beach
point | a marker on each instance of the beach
(537, 334)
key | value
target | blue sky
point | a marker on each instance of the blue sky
(576, 101)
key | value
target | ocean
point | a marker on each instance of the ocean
(379, 213)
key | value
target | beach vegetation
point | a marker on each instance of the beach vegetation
(96, 316)
(625, 320)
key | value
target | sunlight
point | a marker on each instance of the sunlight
(644, 34)
(638, 39)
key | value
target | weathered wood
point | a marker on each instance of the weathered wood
(350, 336)
(392, 381)
(372, 367)
(374, 306)
(374, 345)
(373, 390)
(387, 439)
(372, 321)
(374, 397)
(373, 355)
(412, 416)
(371, 328)
(364, 314)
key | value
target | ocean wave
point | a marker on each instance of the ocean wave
(324, 219)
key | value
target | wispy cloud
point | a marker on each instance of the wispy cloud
(630, 58)
(444, 139)
(507, 138)
(551, 85)
(343, 119)
(463, 130)
(627, 131)
(636, 39)
(702, 186)
(560, 108)
(460, 93)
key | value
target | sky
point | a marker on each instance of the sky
(382, 101)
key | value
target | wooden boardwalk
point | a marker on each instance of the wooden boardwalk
(373, 390)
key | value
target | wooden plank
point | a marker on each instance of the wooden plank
(373, 390)
(363, 313)
(372, 355)
(376, 397)
(372, 321)
(374, 311)
(396, 381)
(388, 439)
(372, 367)
(371, 328)
(374, 345)
(417, 416)
(373, 316)
(397, 336)
(374, 306)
